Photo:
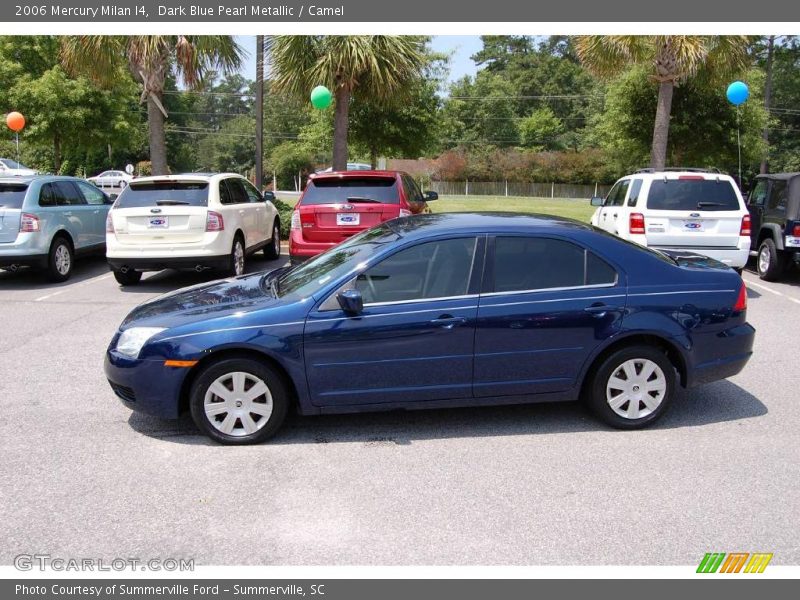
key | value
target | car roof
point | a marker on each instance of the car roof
(345, 174)
(186, 177)
(676, 174)
(42, 178)
(783, 176)
(424, 225)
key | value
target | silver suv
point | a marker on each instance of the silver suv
(46, 221)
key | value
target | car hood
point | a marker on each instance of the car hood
(207, 301)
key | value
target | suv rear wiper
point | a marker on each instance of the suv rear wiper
(701, 204)
(362, 199)
(172, 203)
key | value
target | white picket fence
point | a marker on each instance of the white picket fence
(517, 188)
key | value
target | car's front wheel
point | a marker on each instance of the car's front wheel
(273, 249)
(632, 387)
(239, 401)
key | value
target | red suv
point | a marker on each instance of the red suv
(337, 205)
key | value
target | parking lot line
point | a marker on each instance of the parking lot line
(771, 291)
(77, 285)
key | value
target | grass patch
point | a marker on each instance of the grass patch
(579, 209)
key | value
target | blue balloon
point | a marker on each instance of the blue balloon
(738, 92)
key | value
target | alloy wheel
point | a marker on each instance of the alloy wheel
(62, 260)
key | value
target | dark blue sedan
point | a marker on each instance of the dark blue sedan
(436, 311)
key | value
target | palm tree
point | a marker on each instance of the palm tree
(150, 59)
(674, 58)
(377, 68)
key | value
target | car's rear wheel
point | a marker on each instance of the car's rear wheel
(239, 401)
(129, 277)
(60, 260)
(237, 258)
(273, 249)
(632, 387)
(771, 262)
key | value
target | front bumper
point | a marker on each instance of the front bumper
(146, 386)
(168, 262)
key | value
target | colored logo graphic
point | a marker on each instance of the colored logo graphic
(734, 562)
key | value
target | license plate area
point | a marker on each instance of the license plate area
(348, 219)
(158, 222)
(692, 226)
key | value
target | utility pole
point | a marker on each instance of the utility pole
(259, 112)
(767, 101)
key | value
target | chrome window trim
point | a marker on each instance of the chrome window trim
(405, 312)
(554, 289)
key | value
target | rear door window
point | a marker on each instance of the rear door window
(777, 196)
(341, 190)
(70, 195)
(636, 187)
(92, 194)
(12, 195)
(236, 193)
(692, 194)
(164, 193)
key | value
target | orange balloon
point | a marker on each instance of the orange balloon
(15, 121)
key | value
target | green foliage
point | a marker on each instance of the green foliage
(287, 161)
(285, 213)
(541, 130)
(784, 152)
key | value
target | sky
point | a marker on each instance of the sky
(459, 47)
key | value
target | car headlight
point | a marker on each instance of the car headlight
(132, 340)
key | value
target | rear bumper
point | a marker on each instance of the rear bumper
(23, 260)
(731, 349)
(168, 262)
(300, 250)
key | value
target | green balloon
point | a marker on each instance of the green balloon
(321, 97)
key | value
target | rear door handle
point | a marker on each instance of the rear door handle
(448, 321)
(602, 309)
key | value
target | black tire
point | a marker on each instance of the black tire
(596, 392)
(272, 251)
(231, 269)
(739, 271)
(60, 260)
(277, 390)
(770, 262)
(128, 277)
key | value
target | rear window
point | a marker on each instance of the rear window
(12, 195)
(335, 190)
(692, 194)
(164, 193)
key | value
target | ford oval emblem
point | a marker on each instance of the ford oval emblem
(695, 215)
(155, 210)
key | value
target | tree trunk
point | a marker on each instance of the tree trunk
(658, 153)
(767, 101)
(341, 118)
(158, 141)
(373, 157)
(57, 153)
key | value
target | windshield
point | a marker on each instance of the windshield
(308, 278)
(340, 190)
(12, 195)
(12, 164)
(164, 193)
(692, 194)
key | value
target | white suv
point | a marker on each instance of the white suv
(690, 210)
(195, 221)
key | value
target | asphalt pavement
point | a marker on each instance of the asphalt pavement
(82, 476)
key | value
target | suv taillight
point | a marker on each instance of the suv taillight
(29, 223)
(296, 221)
(745, 229)
(796, 231)
(636, 223)
(741, 299)
(214, 221)
(109, 223)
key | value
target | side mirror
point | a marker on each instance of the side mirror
(596, 201)
(109, 199)
(351, 301)
(269, 196)
(431, 196)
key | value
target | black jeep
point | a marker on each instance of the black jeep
(774, 206)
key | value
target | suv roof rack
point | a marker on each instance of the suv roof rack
(677, 169)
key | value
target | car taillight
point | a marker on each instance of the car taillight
(307, 219)
(29, 223)
(296, 221)
(796, 231)
(741, 299)
(109, 223)
(745, 229)
(637, 223)
(214, 221)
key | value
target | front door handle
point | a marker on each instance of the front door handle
(600, 310)
(448, 321)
